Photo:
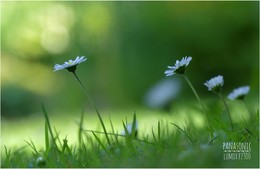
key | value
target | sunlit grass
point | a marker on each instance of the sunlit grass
(164, 140)
(14, 131)
(94, 138)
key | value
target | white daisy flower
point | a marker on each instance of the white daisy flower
(215, 83)
(239, 93)
(71, 65)
(179, 67)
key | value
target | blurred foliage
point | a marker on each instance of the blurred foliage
(128, 46)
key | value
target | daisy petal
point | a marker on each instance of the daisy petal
(215, 84)
(71, 64)
(179, 67)
(239, 93)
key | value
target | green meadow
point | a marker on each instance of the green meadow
(121, 84)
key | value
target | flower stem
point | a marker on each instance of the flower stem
(247, 107)
(93, 104)
(222, 98)
(202, 106)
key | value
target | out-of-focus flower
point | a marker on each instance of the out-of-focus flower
(71, 65)
(40, 161)
(163, 93)
(215, 84)
(179, 67)
(239, 93)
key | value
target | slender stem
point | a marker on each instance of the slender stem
(120, 135)
(247, 107)
(93, 104)
(202, 106)
(80, 128)
(86, 92)
(222, 98)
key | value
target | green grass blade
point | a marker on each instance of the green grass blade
(8, 156)
(121, 135)
(113, 130)
(154, 137)
(159, 131)
(49, 125)
(57, 136)
(125, 128)
(246, 125)
(7, 152)
(185, 133)
(31, 144)
(47, 141)
(65, 146)
(103, 126)
(100, 142)
(80, 128)
(134, 127)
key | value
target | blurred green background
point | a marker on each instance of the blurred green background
(128, 45)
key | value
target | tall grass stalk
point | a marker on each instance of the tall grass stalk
(47, 121)
(113, 130)
(47, 140)
(80, 128)
(183, 131)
